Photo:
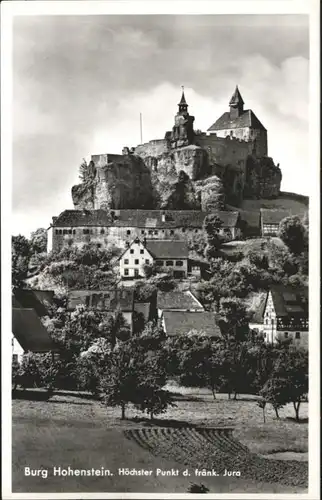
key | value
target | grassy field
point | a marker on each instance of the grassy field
(76, 431)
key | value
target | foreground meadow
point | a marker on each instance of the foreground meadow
(74, 430)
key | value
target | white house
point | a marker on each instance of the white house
(165, 254)
(284, 315)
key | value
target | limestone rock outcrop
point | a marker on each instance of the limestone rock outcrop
(262, 178)
(114, 182)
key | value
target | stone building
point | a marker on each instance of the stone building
(166, 255)
(283, 315)
(242, 124)
(102, 227)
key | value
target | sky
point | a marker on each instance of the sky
(81, 82)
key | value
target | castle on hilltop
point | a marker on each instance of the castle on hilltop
(189, 171)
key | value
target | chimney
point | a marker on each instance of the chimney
(54, 220)
(144, 241)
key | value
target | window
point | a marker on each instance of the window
(57, 231)
(70, 231)
(132, 251)
(126, 272)
(179, 263)
(136, 273)
(297, 335)
(150, 231)
(60, 231)
(128, 232)
(147, 261)
(159, 262)
(286, 335)
(183, 229)
(142, 231)
(74, 231)
(156, 232)
(196, 230)
(85, 231)
(102, 231)
(142, 252)
(169, 263)
(65, 231)
(126, 261)
(136, 261)
(172, 231)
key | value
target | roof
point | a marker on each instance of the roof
(104, 300)
(273, 216)
(29, 331)
(181, 323)
(229, 219)
(178, 300)
(246, 119)
(183, 99)
(164, 249)
(39, 300)
(236, 98)
(148, 219)
(72, 218)
(290, 301)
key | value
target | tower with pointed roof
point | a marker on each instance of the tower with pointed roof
(182, 133)
(242, 124)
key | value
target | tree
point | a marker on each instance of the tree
(212, 225)
(292, 367)
(15, 374)
(293, 233)
(232, 319)
(121, 379)
(20, 260)
(274, 392)
(38, 241)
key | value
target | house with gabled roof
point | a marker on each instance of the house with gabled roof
(164, 254)
(284, 315)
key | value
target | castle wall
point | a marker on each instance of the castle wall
(152, 148)
(224, 150)
(249, 135)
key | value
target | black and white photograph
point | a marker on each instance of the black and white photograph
(162, 328)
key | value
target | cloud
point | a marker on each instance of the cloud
(80, 84)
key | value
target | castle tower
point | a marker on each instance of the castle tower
(183, 106)
(236, 104)
(182, 133)
(242, 124)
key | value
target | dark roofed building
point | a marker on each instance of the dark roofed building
(178, 300)
(39, 300)
(184, 323)
(242, 124)
(77, 227)
(270, 220)
(286, 314)
(167, 249)
(103, 300)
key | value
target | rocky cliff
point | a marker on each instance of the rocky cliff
(156, 176)
(115, 182)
